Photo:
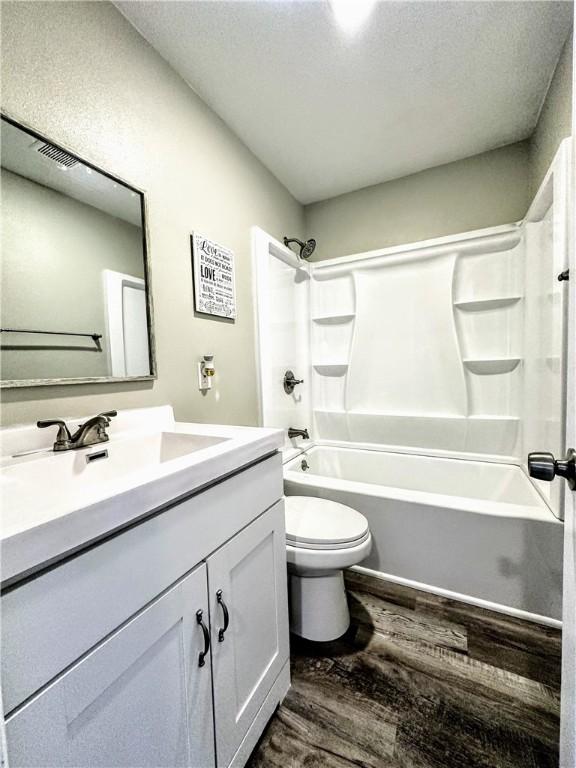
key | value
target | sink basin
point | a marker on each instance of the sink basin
(173, 445)
(64, 479)
(141, 451)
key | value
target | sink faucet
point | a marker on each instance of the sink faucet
(91, 432)
(303, 433)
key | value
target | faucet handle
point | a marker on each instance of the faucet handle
(63, 437)
(53, 423)
(109, 415)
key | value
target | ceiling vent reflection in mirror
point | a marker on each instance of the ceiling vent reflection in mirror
(55, 153)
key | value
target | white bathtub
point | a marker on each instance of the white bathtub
(475, 531)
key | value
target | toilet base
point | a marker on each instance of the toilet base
(318, 605)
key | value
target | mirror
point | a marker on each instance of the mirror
(74, 274)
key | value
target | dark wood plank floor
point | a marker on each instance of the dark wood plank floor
(419, 681)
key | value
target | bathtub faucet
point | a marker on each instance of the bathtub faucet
(303, 433)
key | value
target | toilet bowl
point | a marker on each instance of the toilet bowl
(322, 538)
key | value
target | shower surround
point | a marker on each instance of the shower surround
(453, 349)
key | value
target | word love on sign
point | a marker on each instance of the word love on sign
(213, 270)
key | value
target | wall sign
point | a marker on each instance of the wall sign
(213, 270)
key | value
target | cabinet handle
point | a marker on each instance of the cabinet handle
(220, 600)
(206, 634)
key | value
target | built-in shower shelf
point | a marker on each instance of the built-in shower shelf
(474, 305)
(488, 366)
(333, 319)
(331, 368)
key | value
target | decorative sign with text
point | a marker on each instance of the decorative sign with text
(213, 268)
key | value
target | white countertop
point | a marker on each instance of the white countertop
(53, 504)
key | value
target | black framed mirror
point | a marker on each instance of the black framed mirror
(76, 303)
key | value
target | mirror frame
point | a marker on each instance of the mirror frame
(14, 383)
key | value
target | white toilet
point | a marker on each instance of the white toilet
(322, 538)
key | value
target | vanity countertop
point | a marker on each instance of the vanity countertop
(53, 504)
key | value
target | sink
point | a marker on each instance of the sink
(52, 504)
(141, 451)
(173, 445)
(68, 478)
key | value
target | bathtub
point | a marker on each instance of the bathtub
(468, 530)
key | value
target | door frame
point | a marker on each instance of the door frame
(568, 690)
(114, 284)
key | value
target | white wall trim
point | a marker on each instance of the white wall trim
(517, 613)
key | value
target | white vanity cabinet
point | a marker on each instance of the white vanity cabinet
(138, 699)
(168, 686)
(249, 654)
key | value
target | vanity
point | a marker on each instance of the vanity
(144, 604)
(144, 611)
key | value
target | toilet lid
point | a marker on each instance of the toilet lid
(312, 522)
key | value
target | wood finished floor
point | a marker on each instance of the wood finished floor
(419, 681)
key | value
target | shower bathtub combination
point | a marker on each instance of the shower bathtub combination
(430, 371)
(474, 531)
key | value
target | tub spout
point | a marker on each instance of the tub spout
(303, 433)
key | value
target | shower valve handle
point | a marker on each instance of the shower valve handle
(290, 382)
(543, 466)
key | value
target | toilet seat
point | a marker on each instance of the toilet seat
(321, 524)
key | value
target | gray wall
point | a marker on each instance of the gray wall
(555, 121)
(94, 84)
(79, 73)
(485, 190)
(54, 250)
(480, 191)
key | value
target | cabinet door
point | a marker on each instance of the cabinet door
(138, 699)
(249, 574)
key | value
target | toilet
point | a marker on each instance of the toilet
(322, 538)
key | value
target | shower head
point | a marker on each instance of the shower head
(306, 249)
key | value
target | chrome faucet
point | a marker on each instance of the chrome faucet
(91, 432)
(303, 433)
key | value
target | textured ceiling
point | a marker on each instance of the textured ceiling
(422, 84)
